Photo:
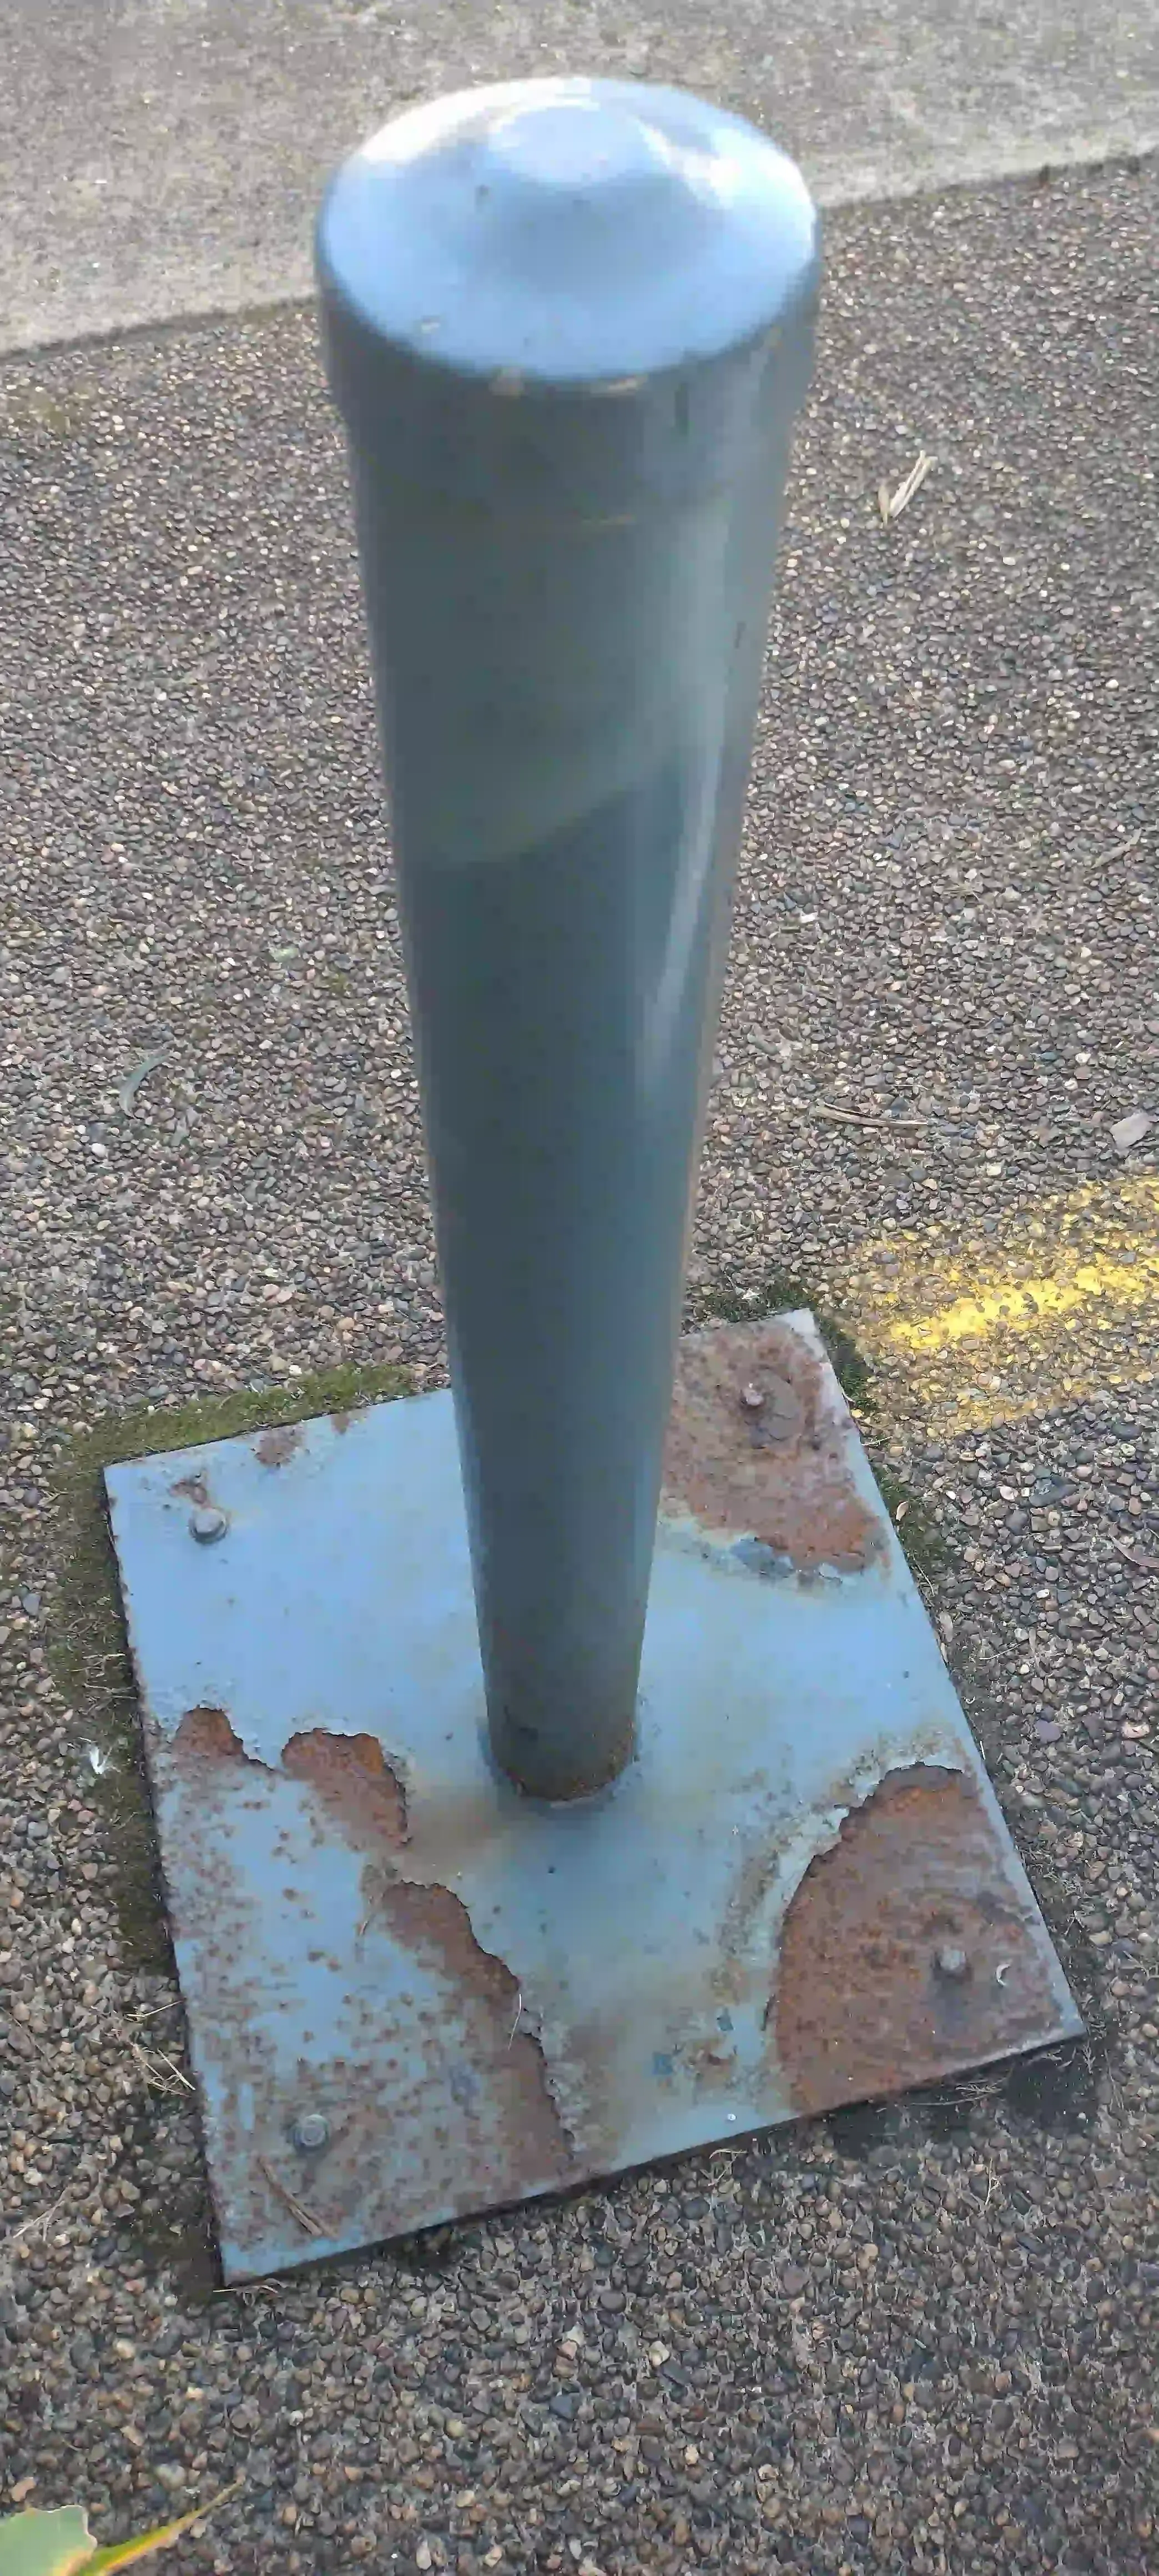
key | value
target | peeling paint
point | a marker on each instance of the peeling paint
(479, 2049)
(360, 1793)
(356, 1787)
(507, 2063)
(759, 1448)
(275, 1447)
(862, 2005)
(206, 1734)
(772, 1863)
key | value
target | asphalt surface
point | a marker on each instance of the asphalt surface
(166, 156)
(920, 2337)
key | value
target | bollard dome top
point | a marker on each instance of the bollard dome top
(566, 233)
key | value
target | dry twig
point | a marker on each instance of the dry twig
(297, 2208)
(1142, 1564)
(891, 504)
(853, 1118)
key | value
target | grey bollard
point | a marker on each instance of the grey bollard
(568, 324)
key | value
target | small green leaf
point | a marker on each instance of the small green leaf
(121, 2553)
(45, 2544)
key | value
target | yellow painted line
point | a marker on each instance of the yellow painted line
(1020, 1305)
(1060, 1302)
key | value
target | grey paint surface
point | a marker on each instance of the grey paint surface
(569, 332)
(165, 156)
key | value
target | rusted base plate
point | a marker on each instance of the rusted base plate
(412, 1994)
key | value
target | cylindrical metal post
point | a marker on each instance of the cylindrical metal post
(568, 324)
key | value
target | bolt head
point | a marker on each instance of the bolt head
(752, 1398)
(310, 2132)
(207, 1524)
(951, 1961)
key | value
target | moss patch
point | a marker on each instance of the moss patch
(922, 1540)
(90, 1657)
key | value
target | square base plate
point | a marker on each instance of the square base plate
(412, 1993)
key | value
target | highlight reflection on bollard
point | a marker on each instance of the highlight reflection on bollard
(568, 324)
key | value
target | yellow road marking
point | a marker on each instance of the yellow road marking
(1060, 1302)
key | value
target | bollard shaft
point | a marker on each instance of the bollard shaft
(569, 326)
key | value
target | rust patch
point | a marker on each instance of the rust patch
(904, 1952)
(433, 2082)
(497, 2074)
(504, 2073)
(355, 1785)
(192, 1489)
(206, 1733)
(758, 1446)
(274, 1447)
(490, 2069)
(341, 1420)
